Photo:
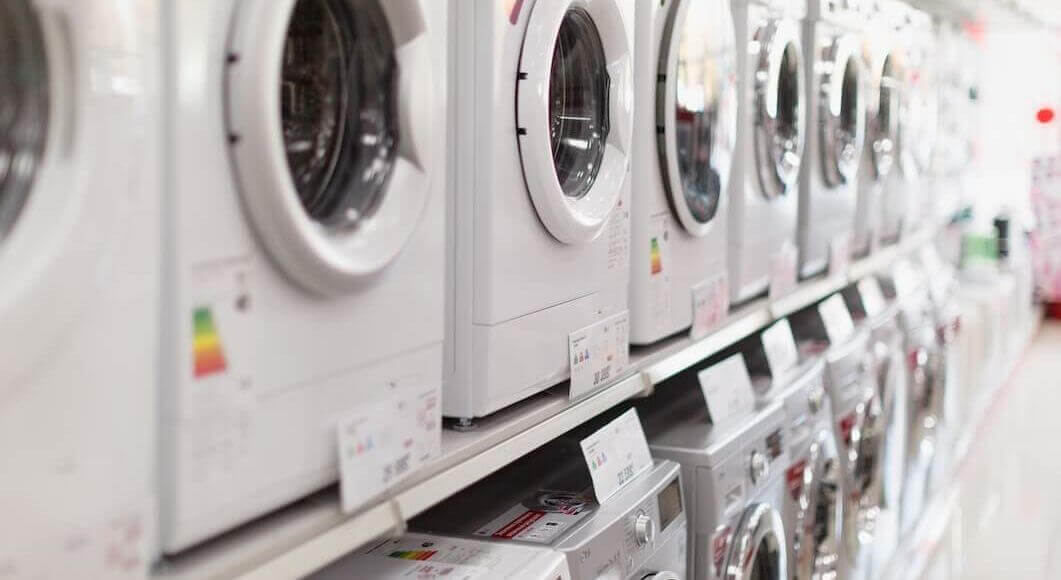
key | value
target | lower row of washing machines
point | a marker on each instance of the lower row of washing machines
(845, 444)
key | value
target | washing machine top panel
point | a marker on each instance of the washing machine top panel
(426, 555)
(574, 114)
(696, 109)
(327, 119)
(24, 107)
(692, 440)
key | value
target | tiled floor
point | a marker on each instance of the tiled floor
(1008, 521)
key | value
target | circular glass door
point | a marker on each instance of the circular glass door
(842, 110)
(696, 108)
(779, 122)
(865, 448)
(819, 515)
(885, 125)
(337, 108)
(758, 546)
(24, 107)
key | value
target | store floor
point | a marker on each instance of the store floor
(1008, 524)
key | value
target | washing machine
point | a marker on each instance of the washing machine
(891, 120)
(887, 364)
(430, 556)
(771, 136)
(814, 494)
(305, 266)
(685, 74)
(882, 61)
(918, 120)
(735, 489)
(858, 429)
(543, 122)
(545, 500)
(836, 119)
(79, 285)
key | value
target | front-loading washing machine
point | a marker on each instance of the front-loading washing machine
(546, 500)
(427, 556)
(887, 366)
(858, 428)
(813, 504)
(543, 120)
(771, 136)
(892, 111)
(735, 483)
(882, 62)
(305, 266)
(836, 118)
(918, 120)
(79, 285)
(685, 130)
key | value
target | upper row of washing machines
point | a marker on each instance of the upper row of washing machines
(227, 227)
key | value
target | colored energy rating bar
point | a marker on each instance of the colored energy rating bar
(207, 354)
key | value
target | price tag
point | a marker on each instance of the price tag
(383, 441)
(872, 297)
(839, 255)
(616, 454)
(727, 391)
(836, 318)
(780, 347)
(783, 271)
(599, 354)
(710, 305)
(905, 278)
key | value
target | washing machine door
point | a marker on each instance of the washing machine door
(842, 108)
(696, 109)
(574, 114)
(884, 125)
(757, 548)
(332, 137)
(864, 441)
(779, 106)
(927, 370)
(817, 533)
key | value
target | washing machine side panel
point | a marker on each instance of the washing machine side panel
(257, 430)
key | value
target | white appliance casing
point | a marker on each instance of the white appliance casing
(79, 303)
(661, 303)
(519, 292)
(759, 227)
(826, 209)
(242, 442)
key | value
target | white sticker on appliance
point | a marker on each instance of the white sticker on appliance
(659, 273)
(710, 305)
(905, 278)
(599, 354)
(540, 519)
(780, 347)
(618, 232)
(872, 297)
(616, 454)
(839, 255)
(383, 441)
(783, 270)
(727, 391)
(836, 318)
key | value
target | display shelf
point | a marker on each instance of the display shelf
(303, 537)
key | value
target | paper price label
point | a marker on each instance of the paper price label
(727, 391)
(839, 255)
(905, 278)
(780, 347)
(836, 318)
(872, 296)
(710, 305)
(616, 454)
(382, 442)
(599, 354)
(783, 271)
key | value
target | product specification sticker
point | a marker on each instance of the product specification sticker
(727, 391)
(783, 271)
(780, 347)
(383, 441)
(872, 297)
(836, 318)
(839, 255)
(616, 454)
(599, 354)
(710, 305)
(540, 519)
